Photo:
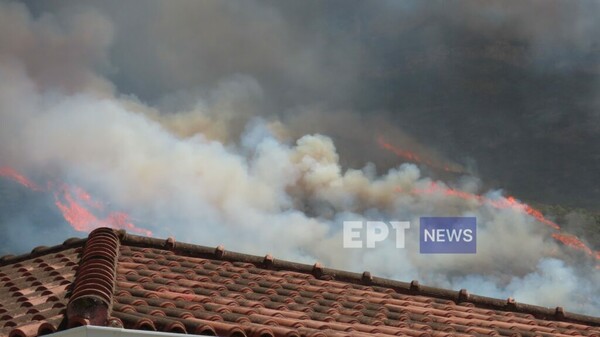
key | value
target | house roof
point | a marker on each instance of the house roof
(116, 279)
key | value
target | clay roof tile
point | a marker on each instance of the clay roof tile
(113, 278)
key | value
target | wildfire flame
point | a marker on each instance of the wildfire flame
(77, 206)
(16, 176)
(504, 202)
(413, 157)
(510, 202)
(574, 242)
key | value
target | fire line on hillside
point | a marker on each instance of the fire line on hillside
(79, 208)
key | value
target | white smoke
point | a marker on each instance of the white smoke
(186, 174)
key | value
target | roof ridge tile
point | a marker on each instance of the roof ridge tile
(93, 288)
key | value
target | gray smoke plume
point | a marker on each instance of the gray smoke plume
(255, 125)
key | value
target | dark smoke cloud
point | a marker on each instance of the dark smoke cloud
(510, 86)
(203, 119)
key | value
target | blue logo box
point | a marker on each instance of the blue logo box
(448, 235)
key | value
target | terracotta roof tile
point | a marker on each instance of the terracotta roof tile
(115, 279)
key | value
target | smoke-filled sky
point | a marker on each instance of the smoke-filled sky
(256, 124)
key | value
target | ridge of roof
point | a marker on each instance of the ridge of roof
(91, 294)
(42, 250)
(365, 278)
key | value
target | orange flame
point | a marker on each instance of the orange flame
(504, 202)
(572, 241)
(74, 210)
(511, 202)
(413, 157)
(399, 152)
(16, 176)
(76, 205)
